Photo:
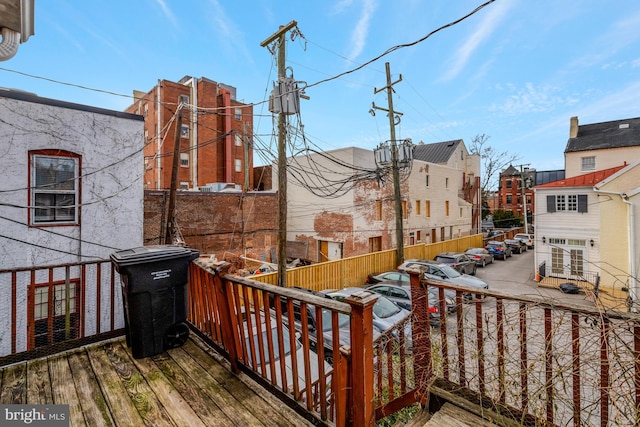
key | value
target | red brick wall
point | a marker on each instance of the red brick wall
(221, 224)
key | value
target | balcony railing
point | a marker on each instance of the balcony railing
(533, 360)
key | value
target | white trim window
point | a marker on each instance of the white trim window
(54, 189)
(588, 163)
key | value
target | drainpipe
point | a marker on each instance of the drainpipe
(634, 289)
(193, 133)
(158, 135)
(9, 44)
(12, 37)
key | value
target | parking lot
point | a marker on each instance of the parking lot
(516, 276)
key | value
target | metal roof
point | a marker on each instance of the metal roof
(438, 152)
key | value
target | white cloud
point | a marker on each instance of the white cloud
(532, 99)
(167, 12)
(361, 30)
(488, 24)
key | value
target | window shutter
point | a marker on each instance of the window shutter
(582, 203)
(551, 203)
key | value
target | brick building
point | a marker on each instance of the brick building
(227, 225)
(215, 134)
(510, 191)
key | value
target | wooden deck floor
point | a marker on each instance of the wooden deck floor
(105, 386)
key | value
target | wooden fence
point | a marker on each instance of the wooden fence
(353, 271)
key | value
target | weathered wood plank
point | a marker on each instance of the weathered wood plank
(218, 378)
(180, 411)
(181, 376)
(122, 409)
(38, 382)
(94, 406)
(143, 397)
(205, 394)
(452, 416)
(13, 389)
(63, 388)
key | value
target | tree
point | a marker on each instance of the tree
(493, 162)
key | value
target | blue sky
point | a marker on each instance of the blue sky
(517, 70)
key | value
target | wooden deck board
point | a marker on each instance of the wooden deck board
(105, 386)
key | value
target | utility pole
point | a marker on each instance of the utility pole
(524, 196)
(282, 157)
(168, 236)
(394, 163)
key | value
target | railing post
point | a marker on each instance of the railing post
(421, 330)
(342, 386)
(228, 321)
(362, 358)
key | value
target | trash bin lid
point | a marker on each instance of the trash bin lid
(145, 254)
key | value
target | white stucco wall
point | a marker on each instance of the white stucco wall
(605, 159)
(111, 212)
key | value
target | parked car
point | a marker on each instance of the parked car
(481, 256)
(344, 323)
(397, 277)
(386, 313)
(499, 250)
(445, 273)
(528, 239)
(252, 345)
(459, 261)
(401, 295)
(517, 246)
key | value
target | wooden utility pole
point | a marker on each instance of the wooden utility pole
(282, 157)
(395, 171)
(168, 236)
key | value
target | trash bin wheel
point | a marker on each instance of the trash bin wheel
(176, 335)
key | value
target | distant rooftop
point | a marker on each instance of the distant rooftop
(598, 136)
(438, 152)
(586, 180)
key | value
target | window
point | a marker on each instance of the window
(49, 303)
(588, 163)
(184, 160)
(378, 210)
(238, 113)
(426, 181)
(508, 182)
(419, 235)
(427, 208)
(238, 165)
(460, 212)
(446, 183)
(404, 209)
(184, 131)
(183, 99)
(577, 264)
(556, 260)
(184, 185)
(509, 199)
(238, 139)
(54, 187)
(418, 206)
(568, 202)
(375, 244)
(145, 110)
(446, 208)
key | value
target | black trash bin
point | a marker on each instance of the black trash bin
(154, 294)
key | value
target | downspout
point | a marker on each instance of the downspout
(193, 134)
(228, 139)
(632, 284)
(158, 135)
(9, 44)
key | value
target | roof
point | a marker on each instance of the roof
(586, 180)
(598, 136)
(543, 177)
(35, 99)
(438, 152)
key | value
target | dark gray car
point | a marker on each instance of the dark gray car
(459, 261)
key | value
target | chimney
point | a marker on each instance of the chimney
(573, 127)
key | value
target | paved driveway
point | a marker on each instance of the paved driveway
(516, 276)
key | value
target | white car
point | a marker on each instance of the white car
(526, 238)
